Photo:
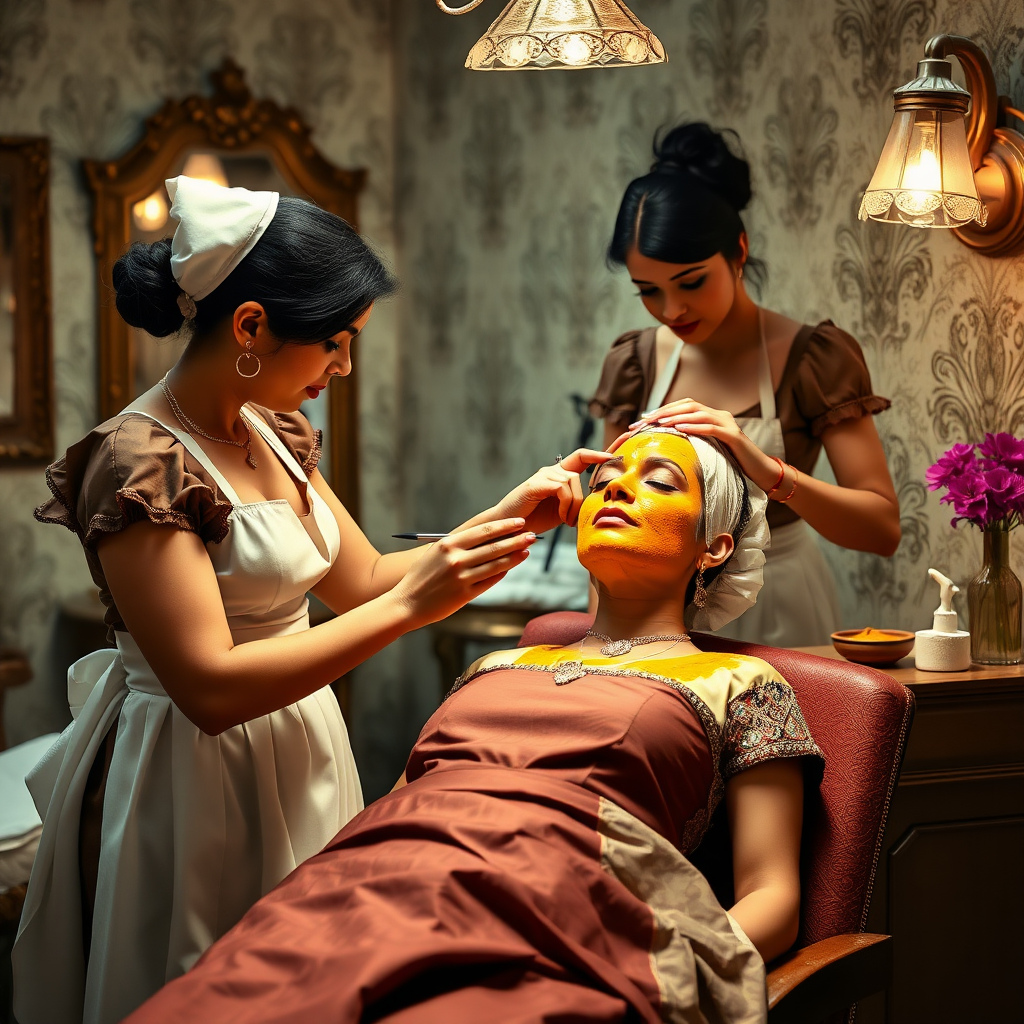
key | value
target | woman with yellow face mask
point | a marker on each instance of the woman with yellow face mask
(774, 391)
(531, 864)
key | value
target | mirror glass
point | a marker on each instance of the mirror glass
(152, 357)
(7, 298)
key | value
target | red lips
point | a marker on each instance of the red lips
(611, 512)
(684, 329)
(314, 389)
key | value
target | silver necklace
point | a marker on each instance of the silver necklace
(613, 648)
(193, 428)
(568, 671)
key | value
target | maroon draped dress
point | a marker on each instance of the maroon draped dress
(532, 869)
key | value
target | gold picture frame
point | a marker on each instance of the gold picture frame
(26, 347)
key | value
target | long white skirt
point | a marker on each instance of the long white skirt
(195, 829)
(798, 605)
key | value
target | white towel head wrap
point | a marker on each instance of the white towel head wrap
(734, 505)
(217, 227)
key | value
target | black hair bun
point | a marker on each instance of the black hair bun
(147, 294)
(698, 150)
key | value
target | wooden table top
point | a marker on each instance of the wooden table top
(975, 680)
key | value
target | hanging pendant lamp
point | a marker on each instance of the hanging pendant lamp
(540, 34)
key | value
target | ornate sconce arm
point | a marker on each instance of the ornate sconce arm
(464, 9)
(981, 84)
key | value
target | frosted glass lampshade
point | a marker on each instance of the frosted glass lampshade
(924, 176)
(565, 34)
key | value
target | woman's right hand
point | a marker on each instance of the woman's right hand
(459, 567)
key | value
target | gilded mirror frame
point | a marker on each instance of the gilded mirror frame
(26, 435)
(230, 121)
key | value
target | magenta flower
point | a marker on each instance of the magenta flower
(1004, 450)
(968, 495)
(958, 460)
(984, 483)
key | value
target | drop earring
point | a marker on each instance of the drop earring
(248, 354)
(700, 595)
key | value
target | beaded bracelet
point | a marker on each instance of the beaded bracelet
(796, 474)
(782, 472)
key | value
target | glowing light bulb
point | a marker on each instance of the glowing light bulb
(150, 214)
(925, 175)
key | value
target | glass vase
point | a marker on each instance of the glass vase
(994, 605)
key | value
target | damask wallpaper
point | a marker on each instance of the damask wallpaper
(495, 195)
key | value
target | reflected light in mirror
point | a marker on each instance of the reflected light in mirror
(206, 167)
(150, 214)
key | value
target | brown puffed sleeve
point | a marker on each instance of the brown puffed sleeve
(126, 470)
(624, 385)
(833, 383)
(298, 436)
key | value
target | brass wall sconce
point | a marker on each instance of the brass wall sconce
(540, 34)
(949, 160)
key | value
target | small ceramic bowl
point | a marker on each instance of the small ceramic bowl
(884, 647)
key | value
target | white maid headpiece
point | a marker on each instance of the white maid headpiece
(217, 227)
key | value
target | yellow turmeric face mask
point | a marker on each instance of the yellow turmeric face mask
(643, 510)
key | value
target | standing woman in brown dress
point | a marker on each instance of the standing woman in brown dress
(773, 390)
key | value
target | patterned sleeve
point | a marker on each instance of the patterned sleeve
(764, 723)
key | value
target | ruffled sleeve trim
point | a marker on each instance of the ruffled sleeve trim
(623, 385)
(128, 470)
(833, 382)
(299, 437)
(870, 405)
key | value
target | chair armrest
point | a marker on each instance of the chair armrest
(811, 983)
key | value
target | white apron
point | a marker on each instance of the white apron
(195, 827)
(798, 605)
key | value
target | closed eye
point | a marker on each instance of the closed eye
(661, 485)
(692, 286)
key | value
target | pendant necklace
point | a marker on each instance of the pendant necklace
(568, 671)
(193, 428)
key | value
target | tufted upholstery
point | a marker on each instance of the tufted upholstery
(860, 718)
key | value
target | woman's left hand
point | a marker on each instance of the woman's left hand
(691, 417)
(552, 495)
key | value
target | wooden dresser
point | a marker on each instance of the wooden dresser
(950, 882)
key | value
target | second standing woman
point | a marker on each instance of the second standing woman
(775, 391)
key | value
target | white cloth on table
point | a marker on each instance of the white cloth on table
(195, 827)
(20, 825)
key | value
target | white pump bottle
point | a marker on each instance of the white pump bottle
(945, 647)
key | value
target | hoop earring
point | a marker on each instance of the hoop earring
(248, 354)
(700, 596)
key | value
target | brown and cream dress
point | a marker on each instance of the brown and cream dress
(534, 867)
(191, 829)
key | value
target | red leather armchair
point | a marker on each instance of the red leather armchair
(860, 718)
